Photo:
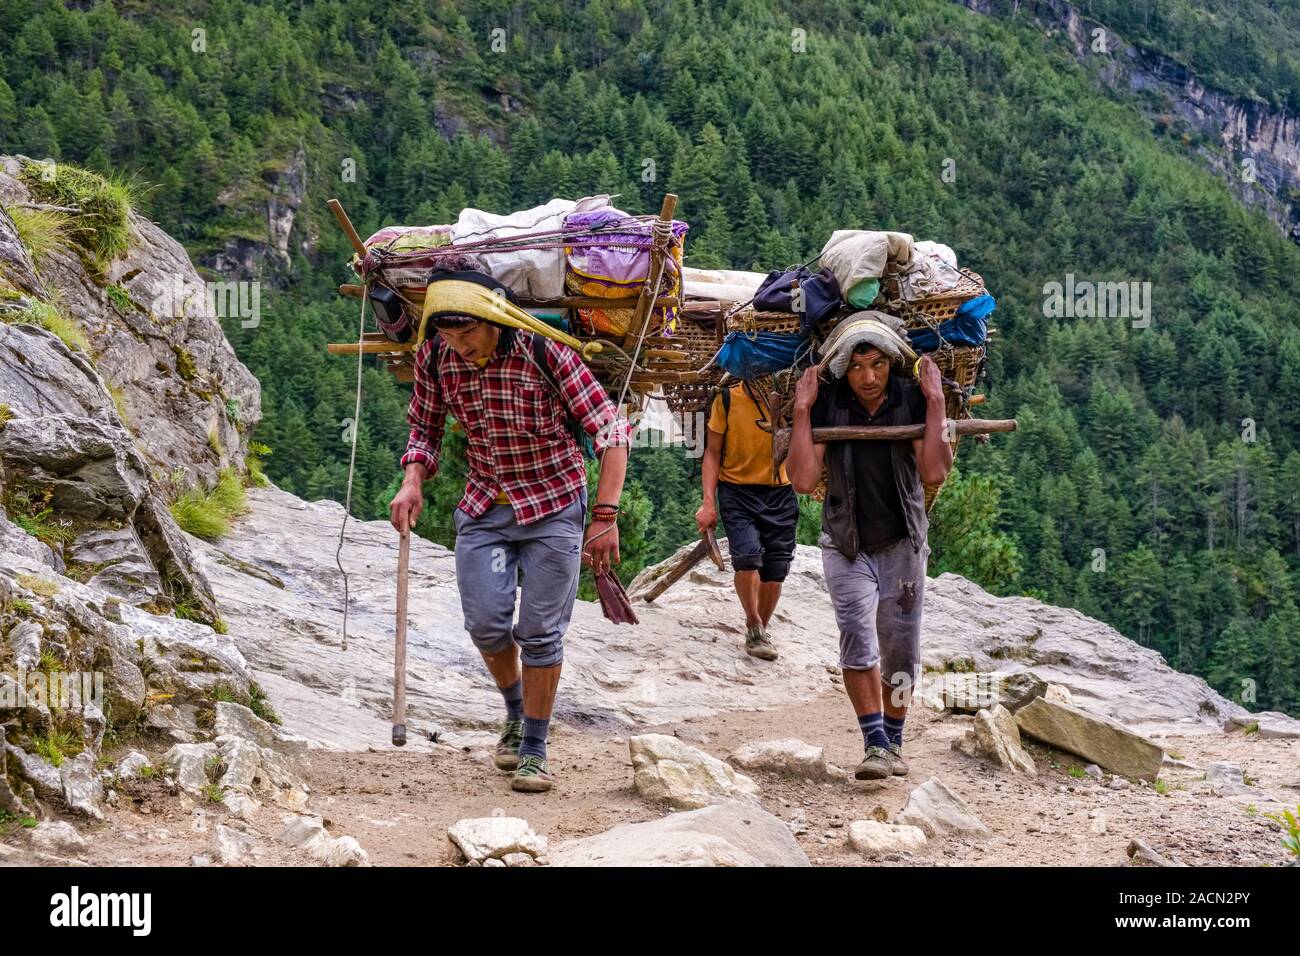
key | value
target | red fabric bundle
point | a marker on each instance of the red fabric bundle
(613, 599)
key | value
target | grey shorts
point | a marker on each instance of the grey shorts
(490, 551)
(877, 600)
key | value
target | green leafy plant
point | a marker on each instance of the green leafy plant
(1291, 827)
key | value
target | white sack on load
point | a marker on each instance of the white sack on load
(934, 271)
(530, 273)
(854, 255)
(728, 286)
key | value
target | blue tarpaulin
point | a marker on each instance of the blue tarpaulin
(746, 355)
(970, 326)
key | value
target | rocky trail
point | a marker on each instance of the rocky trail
(681, 674)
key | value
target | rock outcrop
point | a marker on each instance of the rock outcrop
(1256, 149)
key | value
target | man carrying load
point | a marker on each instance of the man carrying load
(525, 500)
(760, 514)
(874, 527)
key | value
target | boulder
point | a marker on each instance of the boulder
(1268, 725)
(1093, 738)
(996, 736)
(938, 811)
(970, 692)
(190, 763)
(126, 569)
(57, 837)
(1139, 854)
(669, 771)
(733, 833)
(229, 846)
(483, 838)
(786, 758)
(82, 790)
(308, 833)
(873, 838)
(129, 767)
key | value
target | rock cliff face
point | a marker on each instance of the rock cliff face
(1254, 148)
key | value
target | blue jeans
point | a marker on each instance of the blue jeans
(490, 550)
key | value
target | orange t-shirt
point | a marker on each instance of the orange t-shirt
(747, 454)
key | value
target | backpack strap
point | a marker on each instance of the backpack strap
(725, 395)
(543, 359)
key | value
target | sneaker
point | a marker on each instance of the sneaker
(507, 755)
(532, 775)
(900, 765)
(758, 644)
(876, 765)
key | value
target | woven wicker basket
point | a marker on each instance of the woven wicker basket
(930, 311)
(747, 319)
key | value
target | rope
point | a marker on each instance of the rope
(352, 463)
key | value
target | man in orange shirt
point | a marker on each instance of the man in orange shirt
(760, 515)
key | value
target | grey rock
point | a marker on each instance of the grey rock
(734, 833)
(873, 838)
(484, 838)
(1139, 854)
(190, 763)
(82, 790)
(1101, 741)
(230, 846)
(668, 771)
(939, 811)
(24, 640)
(1268, 724)
(129, 767)
(58, 837)
(788, 758)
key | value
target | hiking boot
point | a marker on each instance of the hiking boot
(758, 644)
(878, 764)
(532, 775)
(507, 755)
(896, 755)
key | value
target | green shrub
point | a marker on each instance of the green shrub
(207, 514)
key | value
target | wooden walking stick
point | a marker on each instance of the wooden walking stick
(399, 657)
(706, 547)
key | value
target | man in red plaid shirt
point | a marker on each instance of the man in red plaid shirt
(524, 502)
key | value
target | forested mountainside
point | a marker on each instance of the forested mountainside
(1152, 482)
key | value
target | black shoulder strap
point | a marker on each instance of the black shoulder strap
(543, 360)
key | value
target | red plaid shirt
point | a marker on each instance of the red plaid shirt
(514, 423)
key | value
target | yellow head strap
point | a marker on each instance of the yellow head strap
(470, 298)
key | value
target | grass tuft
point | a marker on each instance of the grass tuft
(101, 226)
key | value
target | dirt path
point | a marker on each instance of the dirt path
(399, 804)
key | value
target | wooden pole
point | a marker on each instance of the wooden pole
(399, 656)
(651, 288)
(345, 224)
(707, 546)
(964, 426)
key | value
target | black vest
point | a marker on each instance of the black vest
(839, 511)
